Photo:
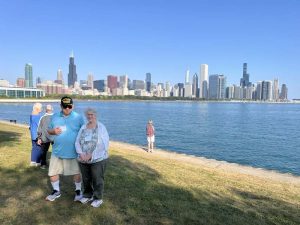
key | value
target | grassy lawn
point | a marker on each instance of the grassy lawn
(141, 188)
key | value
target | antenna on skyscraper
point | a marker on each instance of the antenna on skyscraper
(72, 54)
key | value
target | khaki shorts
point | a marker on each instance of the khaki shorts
(63, 166)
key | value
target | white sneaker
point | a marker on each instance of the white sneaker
(54, 195)
(86, 200)
(96, 203)
(78, 196)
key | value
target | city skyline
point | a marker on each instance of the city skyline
(135, 38)
(216, 88)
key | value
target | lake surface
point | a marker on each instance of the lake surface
(259, 135)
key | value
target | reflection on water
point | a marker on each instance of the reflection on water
(260, 135)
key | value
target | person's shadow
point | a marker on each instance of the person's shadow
(7, 138)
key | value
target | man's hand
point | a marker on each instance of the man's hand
(55, 131)
(39, 142)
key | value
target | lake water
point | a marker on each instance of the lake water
(259, 135)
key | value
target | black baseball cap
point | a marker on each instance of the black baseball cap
(66, 101)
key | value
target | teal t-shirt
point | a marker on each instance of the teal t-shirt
(64, 143)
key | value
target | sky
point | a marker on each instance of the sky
(163, 37)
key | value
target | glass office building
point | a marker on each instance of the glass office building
(13, 92)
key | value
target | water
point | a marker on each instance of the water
(259, 135)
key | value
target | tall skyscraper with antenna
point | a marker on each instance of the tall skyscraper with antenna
(245, 79)
(72, 76)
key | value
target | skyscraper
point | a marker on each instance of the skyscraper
(100, 85)
(180, 89)
(138, 84)
(90, 81)
(213, 86)
(72, 76)
(267, 90)
(112, 82)
(222, 87)
(230, 92)
(259, 90)
(245, 80)
(203, 81)
(38, 80)
(217, 86)
(28, 76)
(123, 81)
(60, 75)
(276, 89)
(168, 89)
(188, 90)
(187, 76)
(148, 82)
(195, 86)
(284, 92)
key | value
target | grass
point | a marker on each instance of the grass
(141, 188)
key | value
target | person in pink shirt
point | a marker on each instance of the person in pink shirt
(150, 132)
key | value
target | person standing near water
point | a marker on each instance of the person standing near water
(64, 127)
(150, 132)
(36, 151)
(92, 146)
(44, 139)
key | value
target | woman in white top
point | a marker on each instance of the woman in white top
(92, 146)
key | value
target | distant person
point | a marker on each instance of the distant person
(64, 127)
(36, 151)
(150, 132)
(44, 139)
(92, 146)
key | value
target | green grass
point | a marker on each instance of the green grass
(141, 188)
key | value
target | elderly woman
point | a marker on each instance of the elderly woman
(33, 126)
(92, 146)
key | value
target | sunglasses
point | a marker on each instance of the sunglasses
(67, 106)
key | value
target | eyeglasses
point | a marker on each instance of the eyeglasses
(67, 106)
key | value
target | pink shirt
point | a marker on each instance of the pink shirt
(150, 130)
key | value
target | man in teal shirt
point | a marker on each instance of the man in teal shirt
(64, 126)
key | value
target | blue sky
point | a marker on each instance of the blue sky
(163, 37)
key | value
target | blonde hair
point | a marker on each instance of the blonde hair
(37, 108)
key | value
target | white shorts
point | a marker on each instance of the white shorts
(63, 166)
(151, 139)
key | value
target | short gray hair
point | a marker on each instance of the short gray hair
(90, 110)
(49, 108)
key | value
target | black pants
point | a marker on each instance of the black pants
(93, 178)
(45, 148)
